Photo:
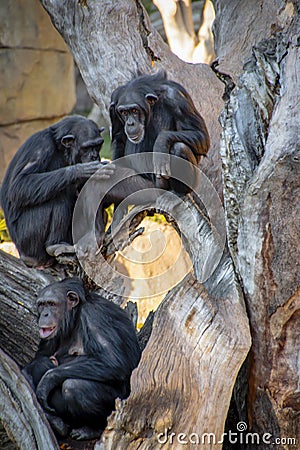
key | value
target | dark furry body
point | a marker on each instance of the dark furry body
(40, 188)
(172, 119)
(96, 349)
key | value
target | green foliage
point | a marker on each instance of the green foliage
(106, 150)
(4, 236)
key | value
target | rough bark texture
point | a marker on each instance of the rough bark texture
(200, 338)
(21, 414)
(18, 290)
(260, 154)
(200, 334)
(238, 26)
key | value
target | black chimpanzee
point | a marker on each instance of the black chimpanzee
(154, 115)
(87, 353)
(40, 188)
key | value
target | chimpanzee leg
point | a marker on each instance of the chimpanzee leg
(54, 221)
(85, 404)
(100, 194)
(185, 176)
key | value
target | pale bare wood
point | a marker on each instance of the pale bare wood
(21, 414)
(199, 340)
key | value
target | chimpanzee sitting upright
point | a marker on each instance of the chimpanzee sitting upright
(156, 117)
(84, 362)
(153, 114)
(40, 188)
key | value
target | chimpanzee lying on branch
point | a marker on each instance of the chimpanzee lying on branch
(41, 185)
(87, 352)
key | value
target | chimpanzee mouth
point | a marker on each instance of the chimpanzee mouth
(46, 332)
(136, 139)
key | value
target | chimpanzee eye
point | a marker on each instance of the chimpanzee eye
(135, 111)
(51, 304)
(124, 113)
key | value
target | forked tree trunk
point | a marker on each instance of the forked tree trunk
(200, 339)
(200, 334)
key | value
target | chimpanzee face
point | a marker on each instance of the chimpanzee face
(83, 144)
(134, 110)
(134, 122)
(55, 312)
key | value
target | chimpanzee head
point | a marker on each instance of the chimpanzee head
(131, 104)
(58, 307)
(79, 138)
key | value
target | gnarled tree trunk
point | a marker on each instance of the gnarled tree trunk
(200, 334)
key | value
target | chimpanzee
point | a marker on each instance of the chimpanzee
(41, 184)
(87, 353)
(154, 115)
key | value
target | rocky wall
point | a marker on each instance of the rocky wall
(37, 84)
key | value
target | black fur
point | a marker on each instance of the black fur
(105, 340)
(41, 185)
(174, 113)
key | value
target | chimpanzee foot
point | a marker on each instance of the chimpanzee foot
(60, 249)
(63, 253)
(84, 433)
(58, 425)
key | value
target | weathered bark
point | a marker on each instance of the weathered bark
(20, 412)
(18, 289)
(260, 153)
(238, 26)
(200, 338)
(209, 323)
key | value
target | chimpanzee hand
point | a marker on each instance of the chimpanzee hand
(106, 171)
(161, 157)
(161, 165)
(86, 170)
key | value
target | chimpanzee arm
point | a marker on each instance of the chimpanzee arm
(189, 128)
(82, 367)
(31, 188)
(34, 371)
(118, 137)
(197, 140)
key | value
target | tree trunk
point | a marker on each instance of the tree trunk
(200, 338)
(207, 321)
(200, 333)
(260, 155)
(18, 290)
(21, 414)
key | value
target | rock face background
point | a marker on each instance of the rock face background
(37, 85)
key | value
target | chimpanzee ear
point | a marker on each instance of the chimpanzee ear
(151, 99)
(68, 140)
(112, 107)
(72, 299)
